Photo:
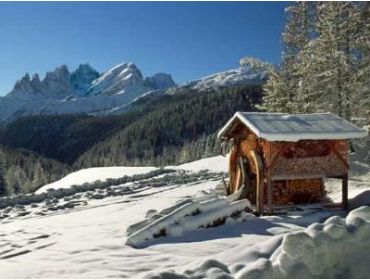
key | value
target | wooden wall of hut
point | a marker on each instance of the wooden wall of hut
(294, 169)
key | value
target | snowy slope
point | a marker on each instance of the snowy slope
(251, 72)
(90, 175)
(216, 164)
(83, 235)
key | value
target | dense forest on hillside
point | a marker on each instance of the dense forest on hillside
(62, 137)
(181, 130)
(157, 130)
(25, 171)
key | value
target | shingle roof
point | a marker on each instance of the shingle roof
(295, 127)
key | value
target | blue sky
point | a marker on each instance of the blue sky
(187, 39)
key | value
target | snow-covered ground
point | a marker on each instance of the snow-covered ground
(216, 164)
(90, 175)
(84, 235)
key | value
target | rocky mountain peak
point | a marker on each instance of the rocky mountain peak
(124, 78)
(82, 78)
(160, 81)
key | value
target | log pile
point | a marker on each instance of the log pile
(298, 191)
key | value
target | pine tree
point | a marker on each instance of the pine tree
(327, 64)
(361, 17)
(283, 84)
(39, 177)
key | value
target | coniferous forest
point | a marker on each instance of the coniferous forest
(325, 61)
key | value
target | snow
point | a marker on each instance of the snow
(337, 248)
(191, 215)
(90, 175)
(87, 238)
(216, 164)
(359, 183)
(295, 127)
(124, 78)
(245, 75)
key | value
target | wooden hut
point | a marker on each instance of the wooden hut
(279, 159)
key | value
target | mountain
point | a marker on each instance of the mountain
(82, 91)
(57, 84)
(159, 81)
(251, 72)
(82, 78)
(113, 92)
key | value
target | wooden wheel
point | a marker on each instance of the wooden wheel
(239, 174)
(258, 163)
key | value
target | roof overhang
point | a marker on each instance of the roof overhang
(288, 137)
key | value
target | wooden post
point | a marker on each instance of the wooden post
(345, 192)
(270, 206)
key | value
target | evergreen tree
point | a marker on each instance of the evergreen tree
(361, 17)
(283, 85)
(39, 177)
(332, 60)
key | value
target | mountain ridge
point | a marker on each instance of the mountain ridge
(112, 92)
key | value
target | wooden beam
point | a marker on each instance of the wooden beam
(270, 206)
(345, 192)
(341, 159)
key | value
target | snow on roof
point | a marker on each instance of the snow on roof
(295, 127)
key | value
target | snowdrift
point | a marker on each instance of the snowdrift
(337, 248)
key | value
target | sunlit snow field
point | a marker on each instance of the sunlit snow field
(87, 240)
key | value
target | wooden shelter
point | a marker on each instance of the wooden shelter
(278, 159)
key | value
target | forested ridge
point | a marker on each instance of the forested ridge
(157, 130)
(181, 130)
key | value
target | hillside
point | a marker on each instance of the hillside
(181, 129)
(34, 234)
(71, 138)
(189, 115)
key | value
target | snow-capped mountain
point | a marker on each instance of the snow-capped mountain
(57, 84)
(86, 91)
(126, 78)
(82, 91)
(251, 71)
(82, 78)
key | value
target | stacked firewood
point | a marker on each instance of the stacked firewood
(297, 191)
